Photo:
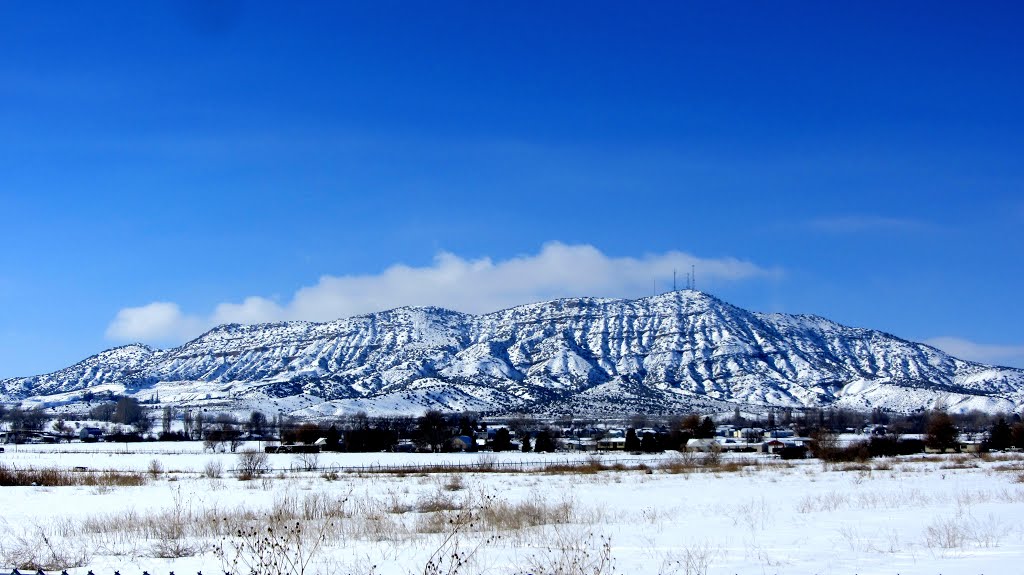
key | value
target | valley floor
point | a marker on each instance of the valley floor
(167, 509)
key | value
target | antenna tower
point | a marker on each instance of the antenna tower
(673, 280)
(693, 276)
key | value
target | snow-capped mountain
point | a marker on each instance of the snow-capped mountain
(680, 350)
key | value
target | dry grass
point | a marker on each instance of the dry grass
(433, 508)
(53, 477)
(37, 549)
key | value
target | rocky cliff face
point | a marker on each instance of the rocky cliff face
(679, 350)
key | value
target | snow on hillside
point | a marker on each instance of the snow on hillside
(678, 350)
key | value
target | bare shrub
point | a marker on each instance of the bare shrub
(454, 483)
(830, 501)
(171, 530)
(945, 533)
(854, 467)
(500, 514)
(213, 469)
(487, 462)
(453, 556)
(713, 458)
(307, 461)
(681, 462)
(275, 547)
(693, 560)
(573, 553)
(155, 469)
(754, 514)
(114, 479)
(252, 464)
(437, 501)
(883, 465)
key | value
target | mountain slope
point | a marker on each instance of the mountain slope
(679, 350)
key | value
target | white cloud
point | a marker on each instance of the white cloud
(1009, 355)
(474, 286)
(158, 321)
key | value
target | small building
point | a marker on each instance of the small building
(462, 443)
(90, 434)
(611, 444)
(740, 445)
(748, 433)
(703, 445)
(580, 444)
(405, 446)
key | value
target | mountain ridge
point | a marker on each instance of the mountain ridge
(680, 350)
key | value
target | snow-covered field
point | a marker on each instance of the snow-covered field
(919, 515)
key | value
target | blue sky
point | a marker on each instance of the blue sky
(168, 165)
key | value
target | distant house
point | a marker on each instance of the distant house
(462, 443)
(90, 434)
(611, 444)
(404, 446)
(734, 444)
(751, 434)
(703, 445)
(582, 444)
(961, 447)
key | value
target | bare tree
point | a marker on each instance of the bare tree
(166, 418)
(940, 432)
(433, 429)
(257, 424)
(251, 464)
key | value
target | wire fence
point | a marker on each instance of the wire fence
(456, 467)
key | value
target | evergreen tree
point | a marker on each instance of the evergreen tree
(333, 438)
(1017, 434)
(526, 444)
(1000, 436)
(649, 443)
(706, 429)
(502, 441)
(544, 442)
(632, 441)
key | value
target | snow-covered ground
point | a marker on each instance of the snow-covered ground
(917, 515)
